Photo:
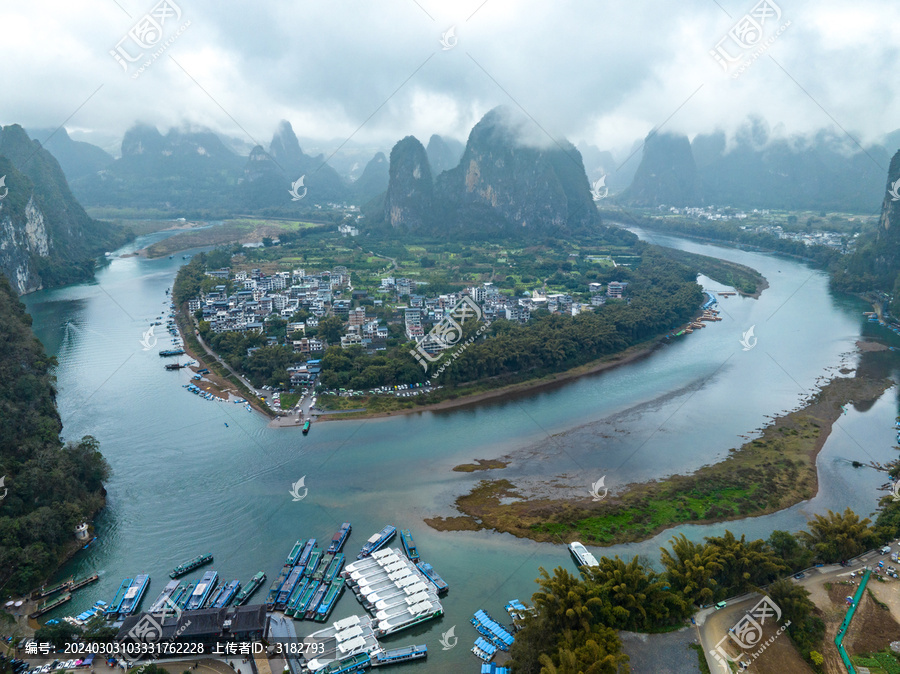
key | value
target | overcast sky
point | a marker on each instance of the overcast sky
(603, 72)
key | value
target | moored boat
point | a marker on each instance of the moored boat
(439, 583)
(581, 555)
(190, 565)
(338, 540)
(409, 545)
(377, 541)
(252, 586)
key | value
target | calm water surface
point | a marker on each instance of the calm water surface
(183, 483)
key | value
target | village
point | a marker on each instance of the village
(400, 309)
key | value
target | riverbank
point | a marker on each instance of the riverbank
(218, 375)
(630, 355)
(764, 475)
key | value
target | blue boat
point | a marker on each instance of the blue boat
(284, 592)
(396, 655)
(186, 593)
(307, 551)
(377, 541)
(338, 540)
(330, 599)
(133, 595)
(409, 545)
(439, 583)
(226, 594)
(314, 560)
(204, 588)
(113, 609)
(294, 555)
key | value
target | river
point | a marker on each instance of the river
(184, 483)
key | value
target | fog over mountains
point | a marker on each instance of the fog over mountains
(196, 171)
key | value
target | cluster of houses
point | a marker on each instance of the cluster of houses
(255, 297)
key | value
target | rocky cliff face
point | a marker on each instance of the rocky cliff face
(511, 178)
(666, 175)
(46, 238)
(409, 201)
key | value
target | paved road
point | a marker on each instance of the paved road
(712, 625)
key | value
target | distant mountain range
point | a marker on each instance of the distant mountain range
(822, 173)
(46, 238)
(195, 173)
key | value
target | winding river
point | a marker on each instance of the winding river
(184, 482)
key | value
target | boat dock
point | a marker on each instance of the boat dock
(202, 591)
(133, 595)
(78, 584)
(396, 655)
(47, 591)
(50, 604)
(189, 566)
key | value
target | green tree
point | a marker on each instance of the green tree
(331, 329)
(787, 546)
(807, 629)
(836, 537)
